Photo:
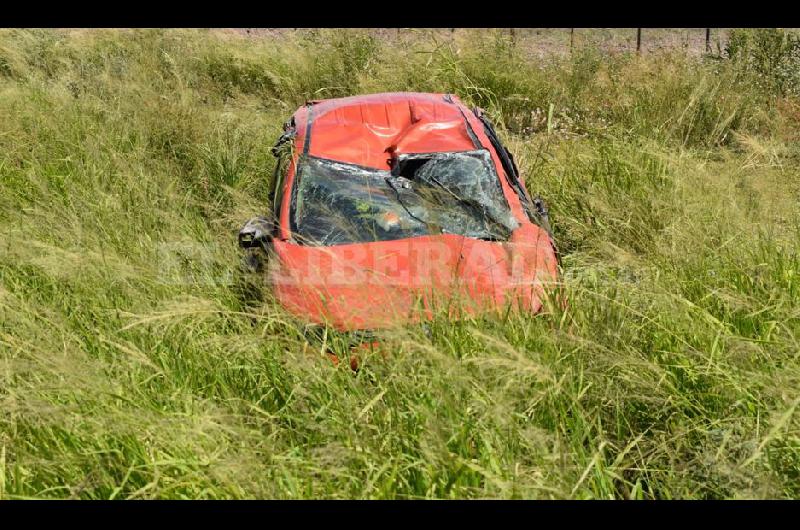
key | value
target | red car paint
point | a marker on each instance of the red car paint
(385, 283)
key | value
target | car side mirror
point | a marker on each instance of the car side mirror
(255, 238)
(256, 233)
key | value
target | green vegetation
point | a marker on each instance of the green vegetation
(126, 372)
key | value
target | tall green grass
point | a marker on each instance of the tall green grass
(137, 362)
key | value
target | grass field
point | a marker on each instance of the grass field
(126, 372)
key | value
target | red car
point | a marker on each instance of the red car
(387, 206)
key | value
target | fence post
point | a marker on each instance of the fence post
(638, 40)
(708, 40)
(571, 39)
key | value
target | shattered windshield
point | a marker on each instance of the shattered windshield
(424, 194)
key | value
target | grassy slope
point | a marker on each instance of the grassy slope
(673, 187)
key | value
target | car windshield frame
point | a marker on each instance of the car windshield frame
(454, 192)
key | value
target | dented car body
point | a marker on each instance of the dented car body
(387, 206)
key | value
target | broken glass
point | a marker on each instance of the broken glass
(424, 194)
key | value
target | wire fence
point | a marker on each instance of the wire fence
(559, 41)
(640, 40)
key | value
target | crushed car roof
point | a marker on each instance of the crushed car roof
(366, 130)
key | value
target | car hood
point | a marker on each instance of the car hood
(387, 283)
